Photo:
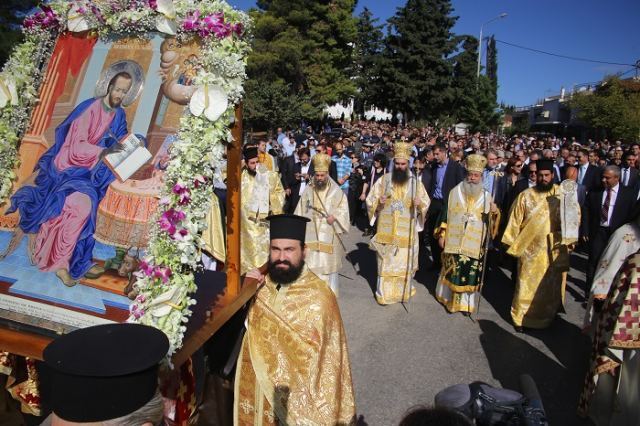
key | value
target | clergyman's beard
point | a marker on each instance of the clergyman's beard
(282, 276)
(472, 189)
(399, 176)
(252, 172)
(320, 184)
(543, 187)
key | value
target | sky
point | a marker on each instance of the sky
(594, 29)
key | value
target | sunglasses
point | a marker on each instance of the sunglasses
(518, 165)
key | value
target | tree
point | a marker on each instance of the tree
(417, 73)
(492, 66)
(474, 98)
(613, 108)
(12, 12)
(303, 47)
(368, 50)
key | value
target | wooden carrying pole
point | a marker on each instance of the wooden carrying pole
(234, 171)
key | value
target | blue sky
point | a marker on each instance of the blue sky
(594, 29)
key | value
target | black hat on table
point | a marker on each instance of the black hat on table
(250, 152)
(287, 226)
(544, 165)
(102, 372)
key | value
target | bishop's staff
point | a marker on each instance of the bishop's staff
(488, 237)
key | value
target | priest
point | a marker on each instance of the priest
(261, 193)
(294, 365)
(534, 236)
(398, 203)
(324, 203)
(468, 217)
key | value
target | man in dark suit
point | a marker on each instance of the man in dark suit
(588, 174)
(297, 179)
(605, 211)
(445, 175)
(628, 173)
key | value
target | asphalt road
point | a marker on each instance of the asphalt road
(400, 359)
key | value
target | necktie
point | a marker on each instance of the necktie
(625, 177)
(604, 214)
(581, 175)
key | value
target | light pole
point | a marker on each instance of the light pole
(502, 15)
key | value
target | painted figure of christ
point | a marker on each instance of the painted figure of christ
(58, 205)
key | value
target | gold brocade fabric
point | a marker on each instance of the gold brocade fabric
(24, 390)
(325, 253)
(254, 229)
(294, 366)
(396, 246)
(465, 224)
(213, 236)
(267, 161)
(533, 236)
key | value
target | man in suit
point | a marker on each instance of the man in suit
(491, 178)
(297, 179)
(628, 172)
(445, 175)
(588, 174)
(605, 211)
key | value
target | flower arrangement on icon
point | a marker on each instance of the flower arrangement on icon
(165, 279)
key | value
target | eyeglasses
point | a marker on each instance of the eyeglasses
(533, 172)
(518, 165)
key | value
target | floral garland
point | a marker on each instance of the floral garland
(166, 277)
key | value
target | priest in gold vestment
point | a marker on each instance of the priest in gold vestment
(534, 237)
(399, 203)
(324, 203)
(462, 232)
(294, 365)
(261, 193)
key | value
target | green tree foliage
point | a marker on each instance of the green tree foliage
(303, 48)
(417, 72)
(614, 108)
(12, 12)
(474, 98)
(369, 46)
(492, 65)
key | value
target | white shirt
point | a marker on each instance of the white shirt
(288, 146)
(304, 169)
(612, 203)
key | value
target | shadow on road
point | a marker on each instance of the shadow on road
(498, 291)
(365, 258)
(559, 381)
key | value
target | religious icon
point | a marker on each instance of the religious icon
(75, 226)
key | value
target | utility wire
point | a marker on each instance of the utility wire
(574, 58)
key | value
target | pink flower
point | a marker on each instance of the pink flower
(237, 28)
(146, 268)
(136, 311)
(179, 189)
(180, 234)
(141, 298)
(199, 180)
(153, 4)
(191, 21)
(163, 273)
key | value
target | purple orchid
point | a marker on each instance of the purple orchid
(146, 268)
(153, 4)
(136, 311)
(163, 273)
(191, 21)
(237, 28)
(199, 180)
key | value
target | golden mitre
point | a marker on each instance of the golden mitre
(321, 162)
(402, 150)
(476, 163)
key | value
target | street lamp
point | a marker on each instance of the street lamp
(502, 15)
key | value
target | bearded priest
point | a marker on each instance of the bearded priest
(468, 217)
(324, 203)
(293, 367)
(261, 193)
(535, 236)
(399, 203)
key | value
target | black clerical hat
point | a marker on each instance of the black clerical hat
(544, 165)
(103, 372)
(249, 153)
(287, 226)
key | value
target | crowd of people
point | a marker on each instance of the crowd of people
(459, 205)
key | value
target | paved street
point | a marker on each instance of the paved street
(401, 359)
